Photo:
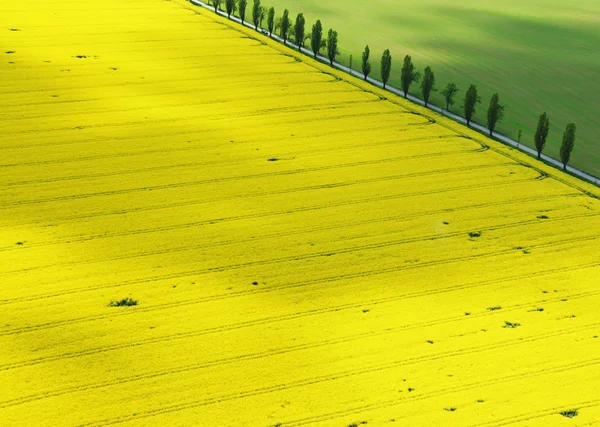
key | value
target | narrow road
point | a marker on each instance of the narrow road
(416, 100)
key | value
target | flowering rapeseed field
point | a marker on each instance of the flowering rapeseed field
(200, 228)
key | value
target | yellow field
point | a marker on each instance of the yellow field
(299, 245)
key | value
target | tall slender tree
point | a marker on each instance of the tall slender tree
(316, 38)
(386, 66)
(299, 30)
(230, 6)
(366, 64)
(541, 133)
(271, 20)
(256, 12)
(427, 84)
(409, 75)
(568, 143)
(216, 4)
(449, 92)
(495, 113)
(285, 25)
(470, 102)
(262, 16)
(242, 9)
(332, 45)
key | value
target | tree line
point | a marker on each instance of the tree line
(318, 41)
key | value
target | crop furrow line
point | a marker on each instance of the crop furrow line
(347, 374)
(263, 76)
(539, 414)
(276, 96)
(179, 275)
(277, 352)
(222, 297)
(227, 115)
(109, 193)
(438, 393)
(240, 161)
(102, 139)
(286, 234)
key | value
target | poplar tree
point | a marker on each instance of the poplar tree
(428, 84)
(366, 65)
(409, 75)
(332, 44)
(541, 133)
(299, 30)
(285, 25)
(242, 9)
(386, 66)
(568, 143)
(230, 7)
(271, 20)
(216, 4)
(316, 38)
(256, 13)
(470, 101)
(495, 113)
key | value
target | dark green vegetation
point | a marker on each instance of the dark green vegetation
(316, 38)
(427, 84)
(408, 75)
(242, 9)
(125, 302)
(540, 58)
(448, 93)
(332, 45)
(386, 66)
(568, 143)
(299, 30)
(541, 133)
(366, 64)
(570, 413)
(470, 102)
(285, 25)
(495, 113)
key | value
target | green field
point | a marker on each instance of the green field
(538, 55)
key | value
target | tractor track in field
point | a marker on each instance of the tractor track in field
(292, 348)
(427, 395)
(186, 149)
(249, 96)
(220, 297)
(242, 112)
(103, 139)
(431, 237)
(215, 101)
(186, 184)
(340, 115)
(188, 203)
(72, 72)
(235, 161)
(302, 347)
(346, 374)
